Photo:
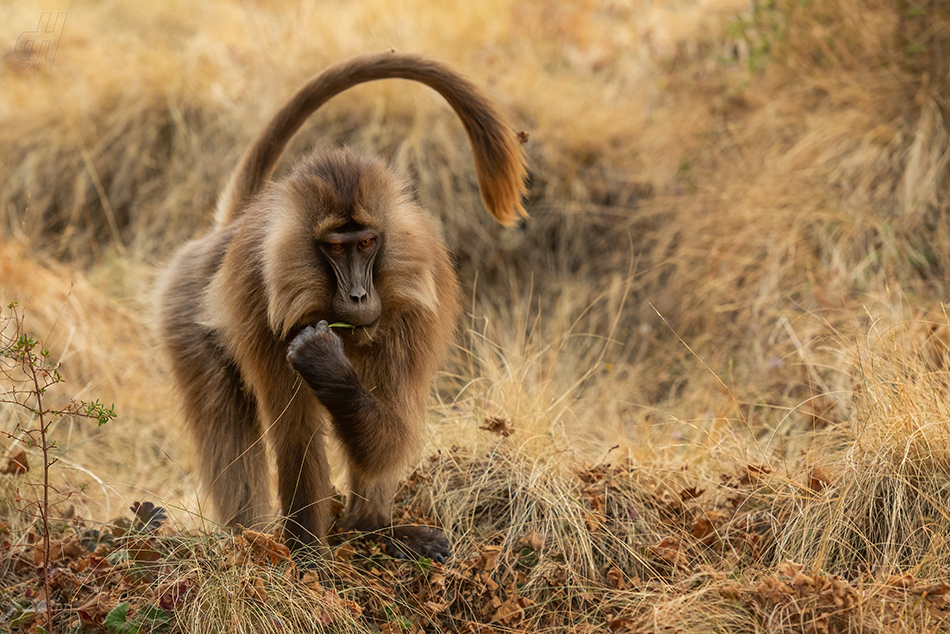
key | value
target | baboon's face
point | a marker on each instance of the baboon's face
(351, 255)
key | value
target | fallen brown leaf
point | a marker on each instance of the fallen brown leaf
(311, 580)
(622, 625)
(532, 540)
(818, 479)
(265, 546)
(16, 464)
(616, 578)
(499, 426)
(754, 473)
(511, 612)
(691, 493)
(704, 530)
(933, 590)
(905, 581)
(488, 557)
(789, 568)
(668, 551)
(254, 589)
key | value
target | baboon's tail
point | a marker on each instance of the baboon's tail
(499, 159)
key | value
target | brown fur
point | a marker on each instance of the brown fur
(232, 303)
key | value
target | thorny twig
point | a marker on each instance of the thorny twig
(40, 374)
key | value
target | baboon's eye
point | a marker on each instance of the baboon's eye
(367, 243)
(335, 247)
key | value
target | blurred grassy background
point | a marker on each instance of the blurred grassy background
(737, 250)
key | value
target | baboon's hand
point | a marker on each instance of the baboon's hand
(317, 354)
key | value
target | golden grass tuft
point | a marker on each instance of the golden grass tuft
(885, 510)
(222, 585)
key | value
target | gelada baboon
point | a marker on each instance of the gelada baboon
(244, 311)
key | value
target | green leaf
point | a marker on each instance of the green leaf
(117, 556)
(341, 324)
(26, 614)
(423, 564)
(155, 617)
(393, 616)
(117, 621)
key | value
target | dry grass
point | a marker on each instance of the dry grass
(719, 340)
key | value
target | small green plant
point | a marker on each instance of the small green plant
(26, 368)
(151, 619)
(760, 32)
